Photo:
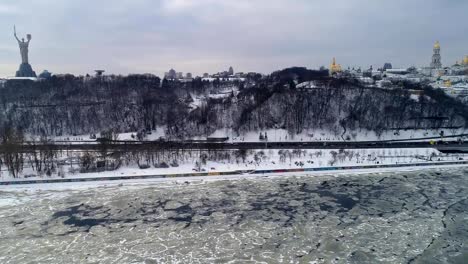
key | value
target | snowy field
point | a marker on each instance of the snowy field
(386, 217)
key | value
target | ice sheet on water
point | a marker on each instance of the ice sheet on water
(380, 217)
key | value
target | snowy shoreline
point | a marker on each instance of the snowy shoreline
(239, 174)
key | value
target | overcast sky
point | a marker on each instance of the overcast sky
(152, 36)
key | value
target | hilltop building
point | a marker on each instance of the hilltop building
(458, 69)
(45, 74)
(387, 66)
(435, 69)
(334, 67)
(99, 72)
(172, 74)
(436, 58)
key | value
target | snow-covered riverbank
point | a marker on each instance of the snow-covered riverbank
(239, 174)
(217, 162)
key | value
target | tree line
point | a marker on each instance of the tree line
(68, 105)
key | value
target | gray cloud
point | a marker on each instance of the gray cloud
(124, 36)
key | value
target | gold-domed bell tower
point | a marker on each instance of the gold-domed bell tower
(436, 58)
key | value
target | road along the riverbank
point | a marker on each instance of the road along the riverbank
(233, 173)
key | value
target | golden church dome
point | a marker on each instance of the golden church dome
(465, 60)
(448, 83)
(437, 45)
(334, 67)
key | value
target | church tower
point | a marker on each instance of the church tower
(334, 67)
(436, 59)
(465, 61)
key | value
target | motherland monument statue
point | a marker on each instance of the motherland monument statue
(25, 69)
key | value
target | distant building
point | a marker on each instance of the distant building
(463, 67)
(171, 74)
(397, 71)
(231, 71)
(334, 67)
(387, 66)
(99, 72)
(180, 75)
(465, 61)
(223, 74)
(436, 58)
(457, 69)
(45, 74)
(188, 75)
(239, 74)
(435, 69)
(354, 72)
(206, 75)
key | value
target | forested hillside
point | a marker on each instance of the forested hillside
(69, 105)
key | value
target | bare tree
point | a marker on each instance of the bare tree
(12, 141)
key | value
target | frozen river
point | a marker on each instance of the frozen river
(405, 217)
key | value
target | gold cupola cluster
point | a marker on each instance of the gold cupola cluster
(334, 67)
(465, 61)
